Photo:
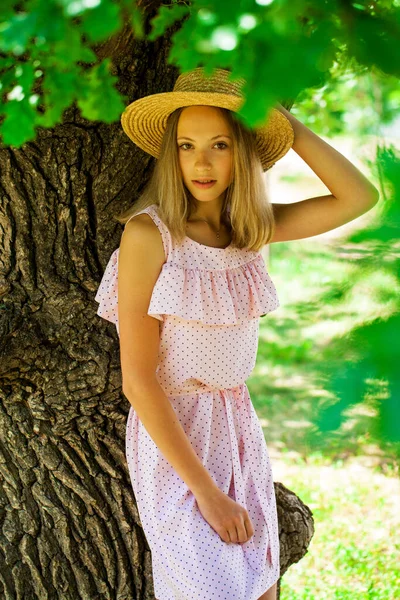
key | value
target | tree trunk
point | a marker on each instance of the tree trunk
(70, 528)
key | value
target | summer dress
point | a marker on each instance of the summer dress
(208, 301)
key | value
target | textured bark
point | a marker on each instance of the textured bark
(296, 527)
(69, 525)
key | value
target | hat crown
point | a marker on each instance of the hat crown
(196, 81)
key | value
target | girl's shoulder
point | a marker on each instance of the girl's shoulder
(166, 237)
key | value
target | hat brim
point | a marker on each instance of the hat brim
(144, 122)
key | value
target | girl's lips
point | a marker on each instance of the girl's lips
(203, 185)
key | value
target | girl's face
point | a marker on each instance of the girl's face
(205, 151)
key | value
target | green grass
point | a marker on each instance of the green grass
(355, 551)
(349, 478)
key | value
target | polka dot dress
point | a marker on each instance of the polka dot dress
(208, 301)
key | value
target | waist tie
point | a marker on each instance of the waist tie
(255, 550)
(191, 391)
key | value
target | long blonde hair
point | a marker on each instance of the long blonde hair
(246, 209)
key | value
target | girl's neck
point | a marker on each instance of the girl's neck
(215, 218)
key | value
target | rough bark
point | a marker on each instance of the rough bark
(69, 525)
(296, 527)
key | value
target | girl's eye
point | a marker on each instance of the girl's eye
(217, 144)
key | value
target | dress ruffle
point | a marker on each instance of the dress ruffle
(213, 297)
(107, 293)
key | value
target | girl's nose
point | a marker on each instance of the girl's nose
(202, 159)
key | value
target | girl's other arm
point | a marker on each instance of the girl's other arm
(141, 256)
(352, 194)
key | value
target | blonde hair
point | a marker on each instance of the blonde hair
(246, 210)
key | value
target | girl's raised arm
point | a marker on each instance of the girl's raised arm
(352, 194)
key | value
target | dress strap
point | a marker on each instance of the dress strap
(164, 231)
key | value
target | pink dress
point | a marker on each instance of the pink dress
(208, 301)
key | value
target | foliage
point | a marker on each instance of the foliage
(283, 49)
(371, 352)
(293, 51)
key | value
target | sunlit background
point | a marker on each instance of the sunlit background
(348, 478)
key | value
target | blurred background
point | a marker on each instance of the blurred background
(346, 471)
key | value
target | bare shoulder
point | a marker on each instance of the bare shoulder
(142, 237)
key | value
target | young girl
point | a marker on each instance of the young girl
(185, 290)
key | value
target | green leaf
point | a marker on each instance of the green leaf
(348, 384)
(25, 74)
(8, 79)
(16, 32)
(375, 41)
(18, 125)
(64, 53)
(137, 22)
(6, 62)
(102, 21)
(389, 414)
(386, 227)
(86, 55)
(60, 88)
(165, 18)
(50, 23)
(101, 101)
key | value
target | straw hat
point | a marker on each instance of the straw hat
(144, 121)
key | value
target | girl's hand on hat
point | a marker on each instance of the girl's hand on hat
(228, 518)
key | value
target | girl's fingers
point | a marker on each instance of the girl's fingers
(243, 535)
(233, 536)
(242, 532)
(249, 529)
